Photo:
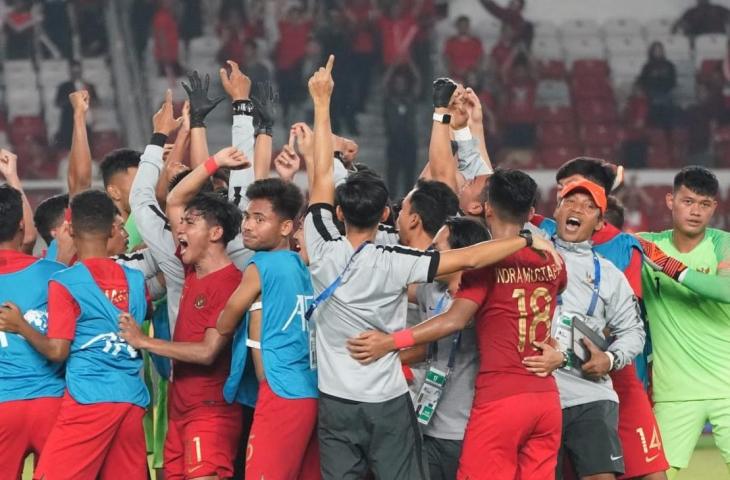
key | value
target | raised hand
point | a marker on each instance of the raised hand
(321, 83)
(186, 115)
(237, 85)
(264, 103)
(200, 104)
(473, 106)
(80, 101)
(8, 164)
(231, 158)
(304, 138)
(459, 112)
(164, 121)
(443, 90)
(287, 163)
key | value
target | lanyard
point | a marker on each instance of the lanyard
(456, 338)
(596, 286)
(330, 290)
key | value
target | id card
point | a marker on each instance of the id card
(429, 395)
(312, 345)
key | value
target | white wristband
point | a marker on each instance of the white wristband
(612, 358)
(462, 134)
(680, 279)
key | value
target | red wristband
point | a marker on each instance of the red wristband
(403, 339)
(67, 214)
(211, 166)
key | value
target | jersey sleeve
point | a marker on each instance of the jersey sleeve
(623, 319)
(473, 286)
(320, 232)
(63, 311)
(414, 266)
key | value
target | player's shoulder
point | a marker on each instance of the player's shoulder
(656, 236)
(718, 236)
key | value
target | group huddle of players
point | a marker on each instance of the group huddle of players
(197, 311)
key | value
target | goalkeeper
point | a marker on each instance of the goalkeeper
(686, 284)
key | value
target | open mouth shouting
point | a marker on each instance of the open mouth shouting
(572, 224)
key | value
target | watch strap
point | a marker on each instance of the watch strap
(442, 118)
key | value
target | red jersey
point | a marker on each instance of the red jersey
(166, 34)
(292, 46)
(464, 53)
(397, 35)
(201, 302)
(63, 310)
(517, 299)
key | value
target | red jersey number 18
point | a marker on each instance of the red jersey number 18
(538, 315)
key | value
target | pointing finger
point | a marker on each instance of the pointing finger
(330, 63)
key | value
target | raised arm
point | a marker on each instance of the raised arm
(9, 170)
(476, 126)
(264, 103)
(240, 302)
(288, 162)
(79, 159)
(238, 87)
(446, 95)
(200, 107)
(189, 186)
(320, 89)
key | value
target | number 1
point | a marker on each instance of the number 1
(538, 316)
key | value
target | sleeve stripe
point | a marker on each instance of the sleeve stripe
(433, 266)
(407, 251)
(316, 211)
(157, 212)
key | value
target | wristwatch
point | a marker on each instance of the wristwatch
(566, 359)
(243, 107)
(442, 118)
(527, 235)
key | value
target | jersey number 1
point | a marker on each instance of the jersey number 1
(538, 315)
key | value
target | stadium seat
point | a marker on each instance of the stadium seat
(658, 157)
(27, 126)
(547, 48)
(710, 47)
(626, 46)
(103, 142)
(676, 47)
(590, 68)
(23, 101)
(599, 134)
(105, 119)
(579, 27)
(53, 72)
(584, 48)
(554, 157)
(552, 92)
(557, 134)
(596, 110)
(658, 27)
(206, 46)
(551, 69)
(555, 114)
(584, 88)
(605, 152)
(616, 27)
(628, 65)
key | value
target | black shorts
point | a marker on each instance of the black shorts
(590, 439)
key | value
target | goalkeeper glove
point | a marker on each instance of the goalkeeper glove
(660, 261)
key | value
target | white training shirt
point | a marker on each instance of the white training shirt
(372, 296)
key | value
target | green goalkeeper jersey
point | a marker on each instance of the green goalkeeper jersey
(690, 334)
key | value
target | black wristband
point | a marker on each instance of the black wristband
(243, 107)
(158, 139)
(263, 131)
(527, 235)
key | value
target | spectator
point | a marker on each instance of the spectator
(360, 14)
(726, 84)
(511, 16)
(658, 78)
(463, 51)
(398, 29)
(635, 144)
(165, 30)
(20, 24)
(294, 30)
(400, 115)
(140, 19)
(56, 25)
(76, 82)
(232, 38)
(703, 18)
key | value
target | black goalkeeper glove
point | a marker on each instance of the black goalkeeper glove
(200, 104)
(443, 89)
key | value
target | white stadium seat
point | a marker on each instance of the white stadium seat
(625, 46)
(580, 27)
(581, 48)
(547, 48)
(617, 27)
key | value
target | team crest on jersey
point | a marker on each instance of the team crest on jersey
(37, 319)
(113, 344)
(200, 301)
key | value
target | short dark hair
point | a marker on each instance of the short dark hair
(362, 198)
(49, 214)
(594, 169)
(177, 178)
(92, 211)
(434, 202)
(698, 179)
(11, 212)
(285, 197)
(511, 193)
(116, 161)
(614, 212)
(217, 211)
(464, 231)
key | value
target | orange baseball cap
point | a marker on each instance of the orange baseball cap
(595, 191)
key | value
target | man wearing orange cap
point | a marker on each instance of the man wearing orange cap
(598, 298)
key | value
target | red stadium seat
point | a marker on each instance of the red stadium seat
(589, 87)
(554, 157)
(104, 142)
(555, 114)
(606, 152)
(709, 68)
(659, 157)
(600, 134)
(596, 110)
(556, 134)
(590, 68)
(552, 69)
(24, 127)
